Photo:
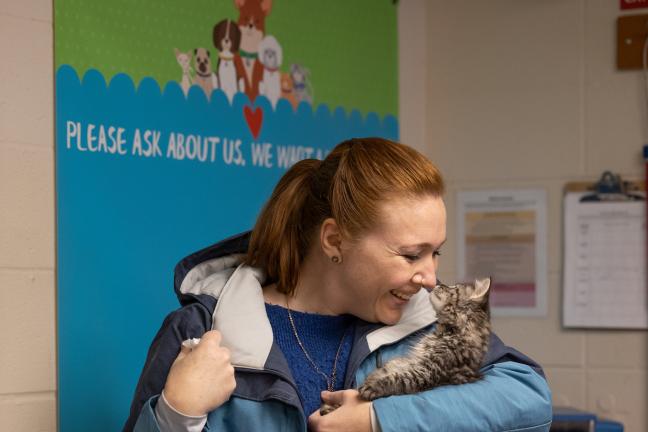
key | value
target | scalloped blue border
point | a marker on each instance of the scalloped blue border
(338, 123)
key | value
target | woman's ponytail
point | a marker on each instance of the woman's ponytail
(280, 237)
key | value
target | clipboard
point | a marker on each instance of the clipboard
(604, 254)
(610, 187)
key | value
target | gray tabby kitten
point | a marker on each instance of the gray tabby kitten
(452, 354)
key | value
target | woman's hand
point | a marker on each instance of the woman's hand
(200, 379)
(354, 414)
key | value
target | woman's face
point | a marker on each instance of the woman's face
(382, 269)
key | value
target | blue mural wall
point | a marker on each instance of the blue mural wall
(144, 177)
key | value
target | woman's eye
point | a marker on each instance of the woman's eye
(411, 257)
(436, 253)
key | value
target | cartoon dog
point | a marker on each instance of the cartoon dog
(287, 91)
(227, 39)
(184, 60)
(270, 56)
(251, 22)
(202, 64)
(301, 83)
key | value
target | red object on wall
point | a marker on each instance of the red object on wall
(633, 4)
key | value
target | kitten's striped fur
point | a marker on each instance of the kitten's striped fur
(452, 354)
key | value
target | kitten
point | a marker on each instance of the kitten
(452, 354)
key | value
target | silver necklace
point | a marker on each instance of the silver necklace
(330, 382)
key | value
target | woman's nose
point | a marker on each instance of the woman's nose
(425, 279)
(427, 273)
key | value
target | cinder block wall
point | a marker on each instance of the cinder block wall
(27, 324)
(526, 94)
(519, 94)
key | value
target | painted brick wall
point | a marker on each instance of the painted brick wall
(27, 325)
(526, 94)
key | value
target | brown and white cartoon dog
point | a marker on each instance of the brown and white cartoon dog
(202, 66)
(251, 22)
(270, 56)
(227, 39)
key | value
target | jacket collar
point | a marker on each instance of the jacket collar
(418, 314)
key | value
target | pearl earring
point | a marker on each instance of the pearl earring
(336, 259)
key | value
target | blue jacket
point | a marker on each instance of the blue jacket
(218, 293)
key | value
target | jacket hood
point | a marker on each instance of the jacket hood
(216, 278)
(205, 273)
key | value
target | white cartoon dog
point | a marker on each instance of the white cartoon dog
(270, 55)
(301, 83)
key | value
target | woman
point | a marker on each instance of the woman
(327, 287)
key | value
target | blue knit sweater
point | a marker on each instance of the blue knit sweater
(321, 335)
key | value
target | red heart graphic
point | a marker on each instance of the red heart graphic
(254, 120)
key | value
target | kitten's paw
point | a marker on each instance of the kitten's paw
(375, 386)
(370, 391)
(326, 408)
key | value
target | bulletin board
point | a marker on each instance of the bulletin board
(160, 152)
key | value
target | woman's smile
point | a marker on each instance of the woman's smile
(401, 296)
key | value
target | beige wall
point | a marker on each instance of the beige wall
(518, 94)
(27, 325)
(526, 94)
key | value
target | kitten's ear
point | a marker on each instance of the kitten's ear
(482, 286)
(438, 301)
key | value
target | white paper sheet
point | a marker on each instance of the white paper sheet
(604, 264)
(503, 234)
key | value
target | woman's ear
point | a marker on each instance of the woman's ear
(331, 238)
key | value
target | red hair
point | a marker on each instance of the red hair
(348, 186)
